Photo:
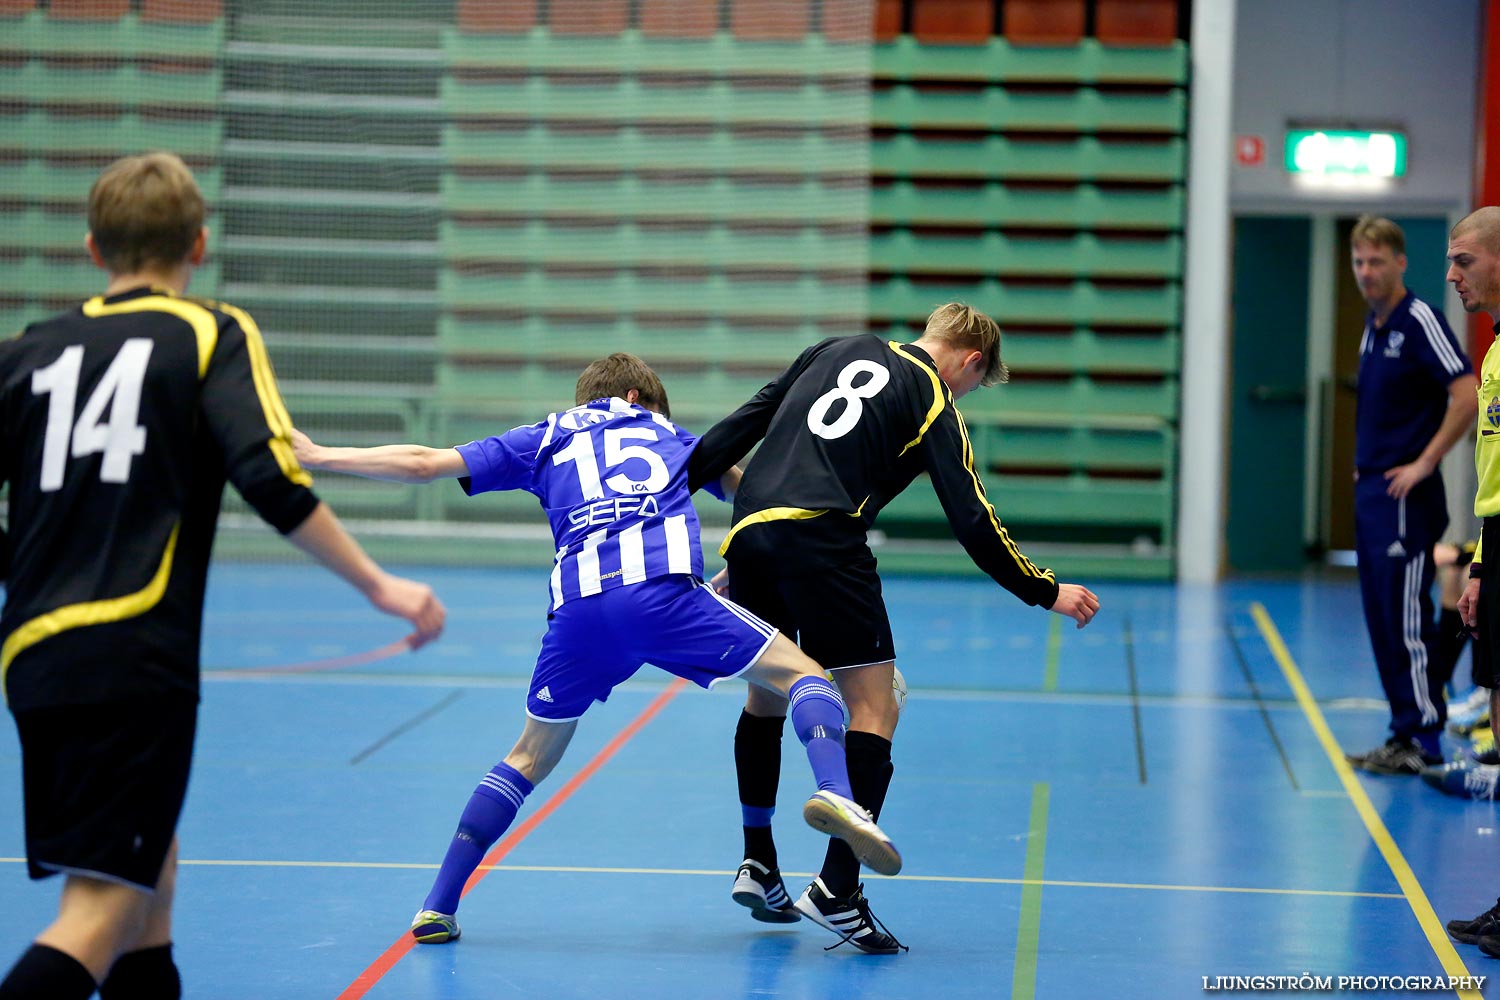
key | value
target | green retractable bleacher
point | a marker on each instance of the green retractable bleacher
(439, 215)
(78, 92)
(1044, 184)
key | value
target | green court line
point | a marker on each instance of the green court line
(1028, 935)
(1054, 648)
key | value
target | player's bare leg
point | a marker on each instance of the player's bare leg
(147, 969)
(96, 922)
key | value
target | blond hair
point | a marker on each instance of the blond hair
(1379, 232)
(616, 375)
(144, 211)
(967, 328)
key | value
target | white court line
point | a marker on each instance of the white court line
(725, 874)
(251, 674)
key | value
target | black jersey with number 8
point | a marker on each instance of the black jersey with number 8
(846, 428)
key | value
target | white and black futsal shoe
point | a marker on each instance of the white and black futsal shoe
(761, 890)
(849, 917)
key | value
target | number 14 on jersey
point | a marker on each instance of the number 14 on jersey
(120, 439)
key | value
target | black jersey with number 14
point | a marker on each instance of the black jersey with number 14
(846, 428)
(119, 423)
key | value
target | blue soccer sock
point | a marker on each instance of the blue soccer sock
(491, 810)
(817, 714)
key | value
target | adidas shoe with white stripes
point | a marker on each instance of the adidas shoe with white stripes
(851, 822)
(849, 917)
(761, 890)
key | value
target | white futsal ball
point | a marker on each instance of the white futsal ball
(898, 685)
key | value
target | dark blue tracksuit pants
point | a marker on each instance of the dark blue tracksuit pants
(1394, 540)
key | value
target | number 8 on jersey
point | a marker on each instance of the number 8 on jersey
(852, 395)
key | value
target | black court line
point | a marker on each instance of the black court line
(1265, 716)
(1135, 700)
(406, 726)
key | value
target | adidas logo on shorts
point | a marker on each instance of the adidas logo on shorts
(544, 695)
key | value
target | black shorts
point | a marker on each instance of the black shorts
(104, 786)
(832, 608)
(1486, 648)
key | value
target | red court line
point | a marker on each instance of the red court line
(397, 951)
(336, 662)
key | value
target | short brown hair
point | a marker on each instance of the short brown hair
(966, 327)
(1483, 224)
(616, 375)
(1378, 231)
(145, 210)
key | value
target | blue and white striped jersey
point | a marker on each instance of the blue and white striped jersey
(1405, 368)
(613, 479)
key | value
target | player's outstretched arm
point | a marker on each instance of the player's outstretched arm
(1076, 602)
(397, 463)
(324, 538)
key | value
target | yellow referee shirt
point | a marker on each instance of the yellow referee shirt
(1487, 443)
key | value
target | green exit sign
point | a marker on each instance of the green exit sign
(1325, 152)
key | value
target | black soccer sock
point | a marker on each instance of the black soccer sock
(44, 973)
(870, 771)
(1452, 637)
(138, 975)
(757, 763)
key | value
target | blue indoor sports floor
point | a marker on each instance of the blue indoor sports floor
(1116, 812)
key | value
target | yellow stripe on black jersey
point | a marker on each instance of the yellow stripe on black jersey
(277, 417)
(205, 326)
(1016, 554)
(940, 400)
(73, 616)
(939, 396)
(771, 514)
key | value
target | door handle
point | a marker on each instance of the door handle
(1279, 394)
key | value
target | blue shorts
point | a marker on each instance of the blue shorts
(675, 622)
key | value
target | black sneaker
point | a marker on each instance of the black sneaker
(1486, 924)
(1490, 945)
(849, 917)
(761, 890)
(1395, 756)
